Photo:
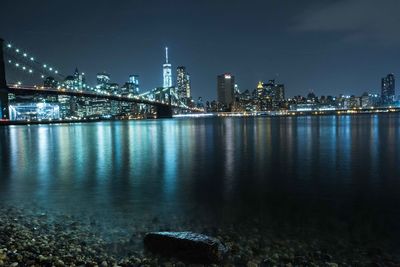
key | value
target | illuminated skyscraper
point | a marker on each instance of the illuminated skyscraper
(183, 82)
(133, 84)
(167, 73)
(103, 78)
(225, 88)
(79, 80)
(388, 89)
(103, 81)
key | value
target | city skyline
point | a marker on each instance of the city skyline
(182, 82)
(258, 46)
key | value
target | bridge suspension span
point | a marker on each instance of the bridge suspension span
(164, 100)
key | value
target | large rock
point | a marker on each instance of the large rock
(188, 246)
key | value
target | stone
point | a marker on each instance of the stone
(252, 264)
(187, 246)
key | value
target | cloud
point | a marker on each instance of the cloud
(357, 20)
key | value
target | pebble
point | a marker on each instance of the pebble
(56, 240)
(252, 264)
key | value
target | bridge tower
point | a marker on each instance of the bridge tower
(165, 111)
(4, 112)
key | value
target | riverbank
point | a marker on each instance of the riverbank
(269, 114)
(38, 238)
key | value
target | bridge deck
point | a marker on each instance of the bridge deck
(49, 91)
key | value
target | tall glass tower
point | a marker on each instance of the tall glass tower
(388, 89)
(167, 73)
(183, 82)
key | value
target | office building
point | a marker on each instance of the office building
(183, 83)
(388, 89)
(226, 89)
(167, 73)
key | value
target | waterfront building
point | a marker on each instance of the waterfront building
(276, 92)
(103, 81)
(114, 88)
(263, 101)
(354, 101)
(369, 100)
(133, 84)
(279, 92)
(167, 72)
(312, 98)
(304, 107)
(69, 82)
(183, 83)
(64, 103)
(200, 103)
(348, 102)
(269, 88)
(260, 89)
(103, 78)
(100, 107)
(388, 89)
(236, 89)
(270, 95)
(75, 81)
(225, 89)
(79, 80)
(34, 111)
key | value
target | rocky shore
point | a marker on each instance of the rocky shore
(38, 238)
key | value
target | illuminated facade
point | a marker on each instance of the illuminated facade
(388, 89)
(167, 73)
(103, 78)
(79, 80)
(103, 81)
(34, 111)
(133, 84)
(183, 83)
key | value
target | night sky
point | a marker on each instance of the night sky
(329, 47)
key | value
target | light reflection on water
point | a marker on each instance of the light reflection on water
(293, 169)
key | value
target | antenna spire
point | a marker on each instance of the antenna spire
(166, 55)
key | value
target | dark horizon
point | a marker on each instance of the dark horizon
(329, 47)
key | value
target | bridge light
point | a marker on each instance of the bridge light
(44, 66)
(42, 76)
(56, 71)
(9, 61)
(32, 59)
(16, 65)
(30, 71)
(23, 68)
(9, 45)
(17, 50)
(50, 69)
(25, 55)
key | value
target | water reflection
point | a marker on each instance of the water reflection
(294, 169)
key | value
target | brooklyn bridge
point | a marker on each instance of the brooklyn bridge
(163, 101)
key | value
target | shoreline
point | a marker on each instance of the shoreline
(40, 238)
(338, 113)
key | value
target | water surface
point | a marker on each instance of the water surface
(328, 173)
